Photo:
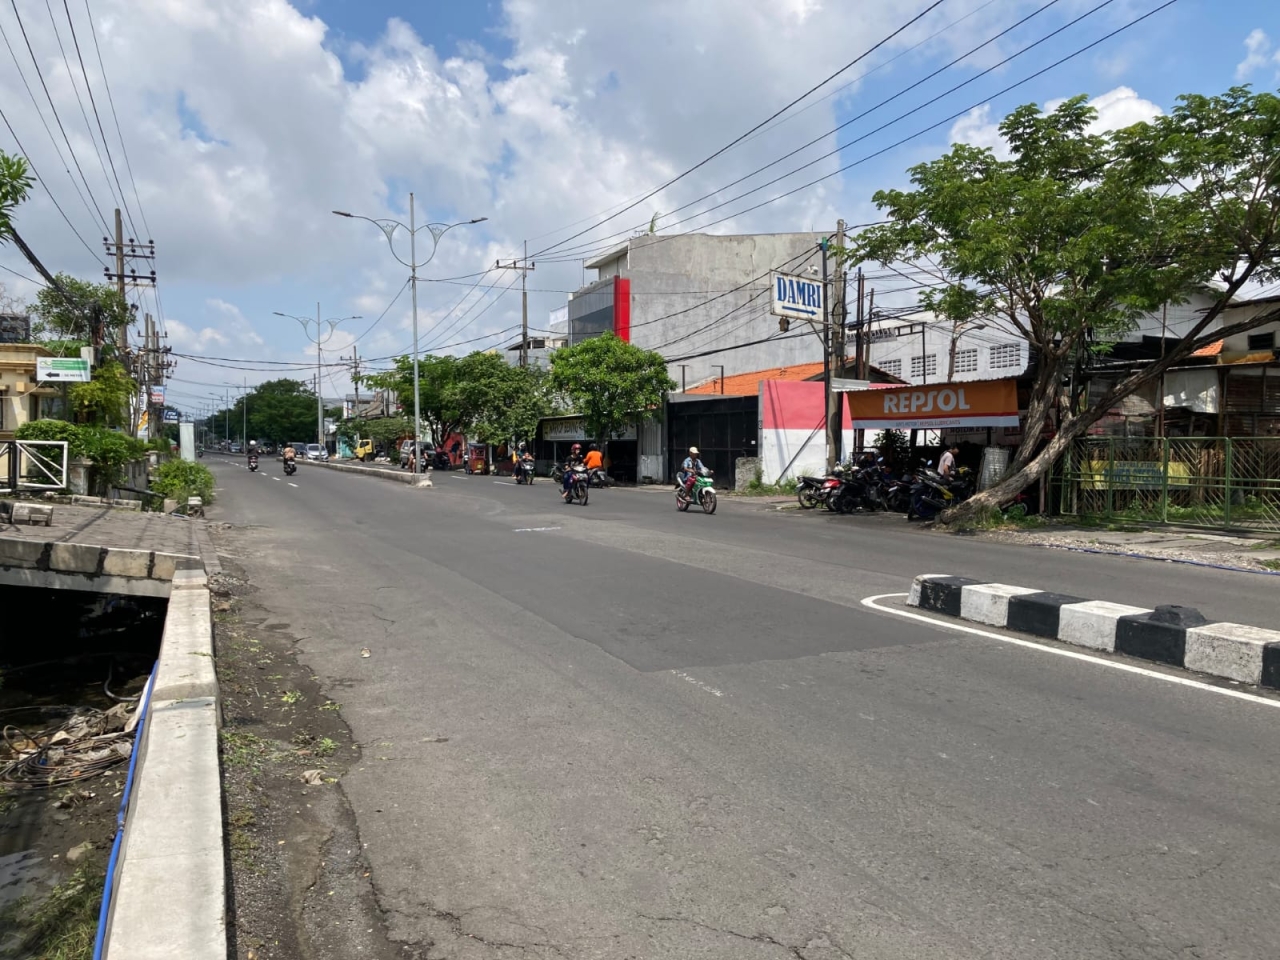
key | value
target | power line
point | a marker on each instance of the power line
(701, 163)
(369, 329)
(79, 100)
(40, 76)
(111, 101)
(931, 127)
(52, 139)
(94, 103)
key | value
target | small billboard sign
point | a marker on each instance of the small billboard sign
(62, 369)
(797, 297)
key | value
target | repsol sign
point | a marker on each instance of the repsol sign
(944, 400)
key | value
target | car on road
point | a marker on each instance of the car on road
(235, 448)
(316, 452)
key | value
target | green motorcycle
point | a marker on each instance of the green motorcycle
(703, 493)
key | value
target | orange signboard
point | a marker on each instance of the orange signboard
(979, 403)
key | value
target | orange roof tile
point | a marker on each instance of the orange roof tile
(1212, 350)
(748, 384)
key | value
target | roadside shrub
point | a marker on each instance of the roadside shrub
(109, 450)
(180, 479)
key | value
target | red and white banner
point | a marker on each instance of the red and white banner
(793, 429)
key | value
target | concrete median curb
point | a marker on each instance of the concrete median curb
(1173, 635)
(397, 476)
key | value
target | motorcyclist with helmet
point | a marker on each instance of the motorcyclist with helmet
(522, 462)
(574, 460)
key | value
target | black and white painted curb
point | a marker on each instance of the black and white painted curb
(1174, 635)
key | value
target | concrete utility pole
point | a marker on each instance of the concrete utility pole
(834, 317)
(355, 381)
(124, 327)
(524, 266)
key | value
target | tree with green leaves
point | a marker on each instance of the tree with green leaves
(105, 399)
(63, 321)
(440, 401)
(280, 410)
(505, 402)
(611, 383)
(15, 184)
(1076, 236)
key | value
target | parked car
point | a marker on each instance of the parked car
(316, 452)
(235, 448)
(427, 448)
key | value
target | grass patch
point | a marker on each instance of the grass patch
(1270, 564)
(1015, 518)
(62, 925)
(291, 697)
(756, 487)
(243, 749)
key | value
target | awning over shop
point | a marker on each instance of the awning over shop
(979, 403)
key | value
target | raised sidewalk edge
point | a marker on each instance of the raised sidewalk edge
(171, 897)
(1171, 634)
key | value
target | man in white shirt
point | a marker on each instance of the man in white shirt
(947, 463)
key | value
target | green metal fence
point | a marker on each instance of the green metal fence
(1215, 482)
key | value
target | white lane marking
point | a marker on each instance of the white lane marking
(698, 683)
(454, 476)
(535, 529)
(1070, 654)
(275, 478)
(292, 484)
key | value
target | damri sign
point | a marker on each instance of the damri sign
(981, 403)
(797, 297)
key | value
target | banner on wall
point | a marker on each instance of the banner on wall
(979, 403)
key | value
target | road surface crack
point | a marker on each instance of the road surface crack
(763, 938)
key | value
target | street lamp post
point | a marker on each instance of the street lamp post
(320, 339)
(437, 230)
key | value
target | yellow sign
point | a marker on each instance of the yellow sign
(1132, 475)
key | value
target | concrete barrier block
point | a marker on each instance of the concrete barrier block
(1093, 624)
(34, 514)
(20, 553)
(942, 594)
(75, 557)
(186, 650)
(166, 564)
(913, 598)
(1231, 650)
(989, 602)
(171, 897)
(127, 563)
(1160, 636)
(1037, 613)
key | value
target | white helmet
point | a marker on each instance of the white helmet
(693, 451)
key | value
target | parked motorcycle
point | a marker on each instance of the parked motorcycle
(703, 493)
(524, 470)
(809, 492)
(253, 463)
(290, 468)
(933, 493)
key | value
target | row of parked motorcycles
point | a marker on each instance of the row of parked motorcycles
(869, 485)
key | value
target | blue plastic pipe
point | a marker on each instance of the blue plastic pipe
(99, 941)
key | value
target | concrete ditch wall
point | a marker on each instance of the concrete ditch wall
(170, 898)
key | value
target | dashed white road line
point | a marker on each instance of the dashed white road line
(275, 478)
(1060, 652)
(535, 529)
(698, 683)
(292, 484)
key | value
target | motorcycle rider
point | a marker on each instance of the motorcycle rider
(690, 470)
(594, 460)
(521, 460)
(575, 460)
(288, 455)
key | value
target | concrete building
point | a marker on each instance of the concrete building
(20, 392)
(690, 294)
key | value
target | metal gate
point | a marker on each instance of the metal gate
(723, 429)
(33, 465)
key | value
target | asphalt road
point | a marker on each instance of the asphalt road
(622, 732)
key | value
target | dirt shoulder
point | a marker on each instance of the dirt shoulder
(300, 887)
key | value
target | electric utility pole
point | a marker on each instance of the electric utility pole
(524, 266)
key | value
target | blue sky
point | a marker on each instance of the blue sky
(247, 121)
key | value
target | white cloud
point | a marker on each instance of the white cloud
(1117, 109)
(281, 122)
(1258, 55)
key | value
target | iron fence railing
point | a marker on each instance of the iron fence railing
(32, 465)
(1214, 482)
